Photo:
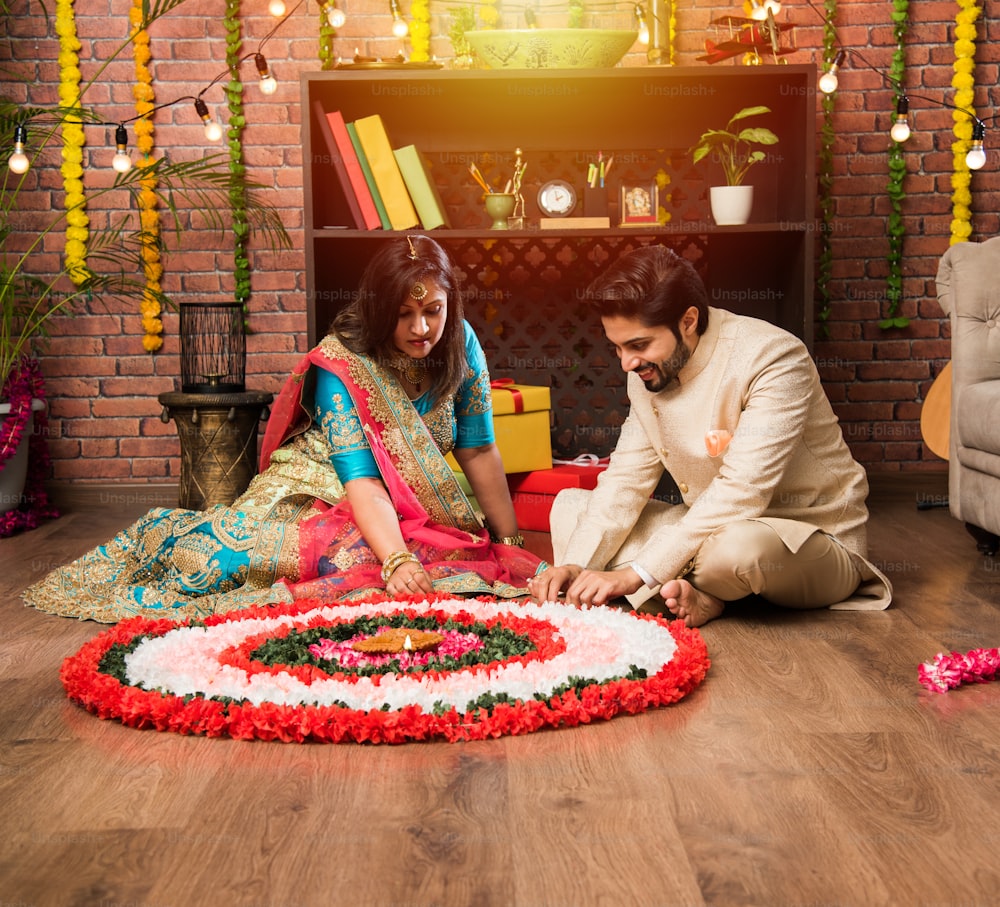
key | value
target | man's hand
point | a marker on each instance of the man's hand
(584, 587)
(598, 587)
(546, 586)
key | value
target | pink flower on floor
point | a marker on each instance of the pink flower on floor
(945, 672)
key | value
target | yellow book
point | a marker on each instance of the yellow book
(378, 150)
(423, 192)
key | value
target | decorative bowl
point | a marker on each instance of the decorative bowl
(550, 48)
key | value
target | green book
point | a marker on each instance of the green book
(369, 178)
(420, 185)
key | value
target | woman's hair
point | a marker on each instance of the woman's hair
(653, 285)
(366, 325)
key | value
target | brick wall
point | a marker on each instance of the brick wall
(105, 418)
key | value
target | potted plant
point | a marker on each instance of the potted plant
(32, 292)
(734, 149)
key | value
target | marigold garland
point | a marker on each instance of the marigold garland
(75, 200)
(149, 215)
(963, 82)
(420, 31)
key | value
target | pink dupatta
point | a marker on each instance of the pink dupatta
(436, 518)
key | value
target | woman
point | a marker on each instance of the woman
(355, 494)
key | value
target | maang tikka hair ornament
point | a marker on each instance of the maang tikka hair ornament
(413, 251)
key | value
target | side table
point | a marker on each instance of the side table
(218, 437)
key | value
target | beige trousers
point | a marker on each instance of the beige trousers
(743, 558)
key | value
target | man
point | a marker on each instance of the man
(732, 407)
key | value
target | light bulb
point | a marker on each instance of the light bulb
(336, 17)
(399, 27)
(828, 81)
(121, 162)
(757, 12)
(772, 6)
(213, 131)
(268, 83)
(976, 156)
(276, 8)
(900, 131)
(18, 161)
(640, 21)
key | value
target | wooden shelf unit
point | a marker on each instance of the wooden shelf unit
(523, 287)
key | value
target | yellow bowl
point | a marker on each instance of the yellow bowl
(550, 48)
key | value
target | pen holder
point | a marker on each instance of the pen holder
(595, 201)
(499, 206)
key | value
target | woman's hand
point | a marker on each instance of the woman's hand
(409, 578)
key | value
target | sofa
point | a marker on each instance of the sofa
(968, 289)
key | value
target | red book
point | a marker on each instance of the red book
(348, 167)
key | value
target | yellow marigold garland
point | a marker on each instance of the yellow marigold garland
(963, 81)
(74, 200)
(489, 15)
(149, 216)
(420, 31)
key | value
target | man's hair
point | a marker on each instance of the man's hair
(653, 285)
(366, 325)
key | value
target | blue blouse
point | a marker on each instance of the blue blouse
(472, 427)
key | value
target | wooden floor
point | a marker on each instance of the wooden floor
(810, 768)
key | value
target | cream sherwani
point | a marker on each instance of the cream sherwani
(786, 465)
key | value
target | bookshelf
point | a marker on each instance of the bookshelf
(523, 287)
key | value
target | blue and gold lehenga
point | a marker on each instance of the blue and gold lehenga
(291, 534)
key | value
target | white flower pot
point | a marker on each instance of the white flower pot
(731, 204)
(14, 470)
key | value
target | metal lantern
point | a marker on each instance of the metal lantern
(213, 348)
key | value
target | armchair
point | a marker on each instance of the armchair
(968, 289)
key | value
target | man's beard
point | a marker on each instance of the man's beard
(666, 372)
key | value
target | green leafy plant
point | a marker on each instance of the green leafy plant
(735, 149)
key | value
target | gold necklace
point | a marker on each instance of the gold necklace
(415, 373)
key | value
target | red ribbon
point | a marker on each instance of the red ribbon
(507, 384)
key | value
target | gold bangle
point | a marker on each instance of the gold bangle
(395, 560)
(516, 541)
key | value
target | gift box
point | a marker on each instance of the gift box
(521, 426)
(533, 492)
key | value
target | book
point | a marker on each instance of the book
(420, 184)
(369, 178)
(352, 178)
(378, 149)
(354, 208)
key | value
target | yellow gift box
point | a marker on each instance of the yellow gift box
(521, 426)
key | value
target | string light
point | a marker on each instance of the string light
(268, 84)
(900, 131)
(640, 20)
(121, 162)
(335, 16)
(18, 161)
(976, 156)
(276, 8)
(399, 27)
(828, 81)
(213, 131)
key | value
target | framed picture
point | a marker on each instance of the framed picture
(638, 203)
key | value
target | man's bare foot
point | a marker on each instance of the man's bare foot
(689, 604)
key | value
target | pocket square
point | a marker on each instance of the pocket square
(717, 440)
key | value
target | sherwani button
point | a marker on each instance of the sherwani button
(664, 452)
(683, 488)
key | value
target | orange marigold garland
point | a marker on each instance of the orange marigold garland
(75, 201)
(149, 215)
